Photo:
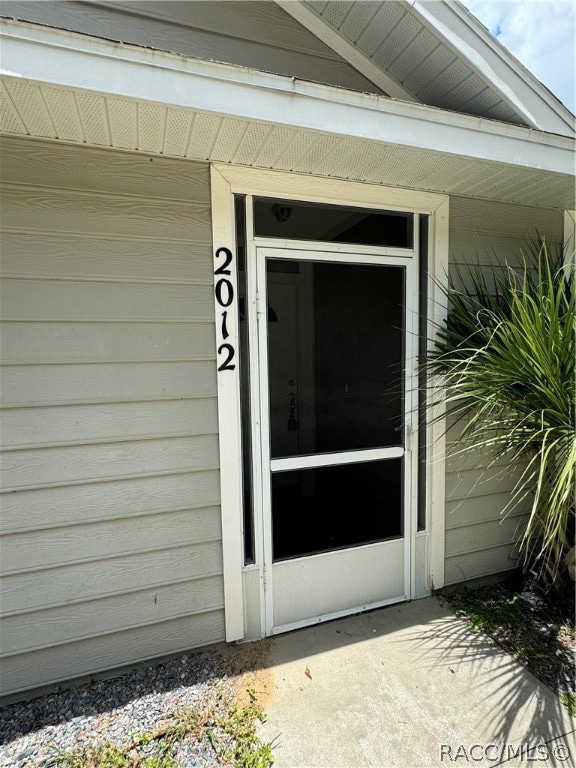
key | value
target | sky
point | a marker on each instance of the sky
(540, 33)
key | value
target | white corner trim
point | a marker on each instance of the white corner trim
(436, 430)
(328, 35)
(229, 427)
(569, 238)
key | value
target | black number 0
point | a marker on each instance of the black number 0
(228, 298)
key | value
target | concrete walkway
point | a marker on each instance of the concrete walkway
(407, 686)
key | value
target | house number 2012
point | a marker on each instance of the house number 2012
(224, 291)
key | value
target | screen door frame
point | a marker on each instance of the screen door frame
(315, 252)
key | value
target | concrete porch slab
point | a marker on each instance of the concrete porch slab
(408, 686)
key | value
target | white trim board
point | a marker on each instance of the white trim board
(229, 413)
(438, 237)
(569, 238)
(228, 180)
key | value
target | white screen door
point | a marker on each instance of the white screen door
(337, 340)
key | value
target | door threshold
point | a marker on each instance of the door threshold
(337, 615)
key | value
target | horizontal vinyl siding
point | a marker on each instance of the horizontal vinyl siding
(111, 536)
(106, 651)
(480, 535)
(258, 35)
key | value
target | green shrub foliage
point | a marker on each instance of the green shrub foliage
(507, 357)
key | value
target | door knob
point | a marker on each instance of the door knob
(292, 422)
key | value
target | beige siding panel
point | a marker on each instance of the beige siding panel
(43, 466)
(255, 35)
(67, 300)
(49, 254)
(471, 538)
(482, 481)
(261, 22)
(32, 162)
(481, 234)
(473, 565)
(110, 516)
(460, 277)
(489, 218)
(58, 546)
(479, 509)
(458, 460)
(96, 579)
(61, 210)
(41, 629)
(105, 342)
(31, 385)
(83, 657)
(107, 422)
(490, 250)
(478, 538)
(75, 505)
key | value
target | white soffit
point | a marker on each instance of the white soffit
(434, 52)
(68, 87)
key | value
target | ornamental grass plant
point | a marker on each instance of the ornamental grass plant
(507, 355)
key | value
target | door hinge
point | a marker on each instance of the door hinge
(259, 310)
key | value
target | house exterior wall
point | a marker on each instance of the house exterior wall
(258, 35)
(478, 541)
(111, 546)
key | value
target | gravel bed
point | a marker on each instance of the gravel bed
(114, 710)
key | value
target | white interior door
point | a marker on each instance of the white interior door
(337, 346)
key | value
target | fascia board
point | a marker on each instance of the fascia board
(47, 56)
(517, 86)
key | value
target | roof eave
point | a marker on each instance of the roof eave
(71, 60)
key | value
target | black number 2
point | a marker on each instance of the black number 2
(223, 268)
(227, 365)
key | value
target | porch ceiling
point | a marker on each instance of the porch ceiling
(56, 85)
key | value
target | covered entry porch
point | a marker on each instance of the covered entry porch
(114, 226)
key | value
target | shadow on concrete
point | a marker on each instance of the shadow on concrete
(520, 706)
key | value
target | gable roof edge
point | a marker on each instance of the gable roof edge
(469, 40)
(518, 87)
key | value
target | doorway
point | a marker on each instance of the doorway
(272, 233)
(335, 336)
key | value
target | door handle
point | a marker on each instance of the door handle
(408, 446)
(292, 421)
